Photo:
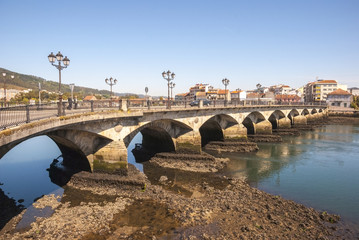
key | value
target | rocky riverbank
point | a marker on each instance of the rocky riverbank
(211, 207)
(189, 162)
(231, 146)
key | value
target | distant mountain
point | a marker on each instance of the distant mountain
(23, 81)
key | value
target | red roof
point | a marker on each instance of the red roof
(339, 92)
(252, 95)
(325, 81)
(90, 98)
(221, 91)
(287, 97)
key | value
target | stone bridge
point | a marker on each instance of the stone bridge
(98, 141)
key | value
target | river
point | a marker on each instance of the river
(318, 169)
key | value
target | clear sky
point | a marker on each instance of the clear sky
(202, 41)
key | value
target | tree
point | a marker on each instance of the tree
(355, 103)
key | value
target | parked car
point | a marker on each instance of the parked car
(196, 103)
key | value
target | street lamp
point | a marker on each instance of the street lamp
(172, 85)
(60, 58)
(169, 77)
(225, 82)
(4, 75)
(146, 91)
(111, 81)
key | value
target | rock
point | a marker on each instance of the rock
(163, 179)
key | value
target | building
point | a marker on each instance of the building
(224, 95)
(318, 90)
(281, 89)
(239, 95)
(212, 94)
(354, 91)
(253, 96)
(199, 87)
(339, 98)
(287, 98)
(182, 96)
(10, 93)
(200, 96)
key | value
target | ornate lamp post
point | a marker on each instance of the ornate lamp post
(168, 76)
(172, 85)
(60, 59)
(225, 82)
(146, 91)
(111, 81)
(4, 75)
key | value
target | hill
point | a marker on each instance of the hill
(23, 81)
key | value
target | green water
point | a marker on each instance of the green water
(319, 169)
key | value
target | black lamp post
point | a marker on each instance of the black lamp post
(225, 82)
(168, 76)
(111, 81)
(60, 59)
(172, 85)
(4, 75)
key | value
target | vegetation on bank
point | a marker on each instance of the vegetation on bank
(355, 103)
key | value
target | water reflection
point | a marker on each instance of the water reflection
(23, 169)
(318, 168)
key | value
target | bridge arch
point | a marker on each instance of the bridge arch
(76, 146)
(292, 114)
(314, 111)
(159, 135)
(212, 129)
(251, 120)
(275, 117)
(305, 112)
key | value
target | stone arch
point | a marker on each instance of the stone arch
(212, 129)
(305, 112)
(320, 110)
(157, 139)
(76, 146)
(251, 120)
(275, 117)
(293, 113)
(314, 111)
(72, 155)
(172, 127)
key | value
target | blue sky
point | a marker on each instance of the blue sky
(202, 41)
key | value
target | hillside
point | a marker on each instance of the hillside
(23, 81)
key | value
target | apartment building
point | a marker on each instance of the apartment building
(318, 90)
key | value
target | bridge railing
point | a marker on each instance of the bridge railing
(17, 115)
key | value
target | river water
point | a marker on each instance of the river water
(318, 169)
